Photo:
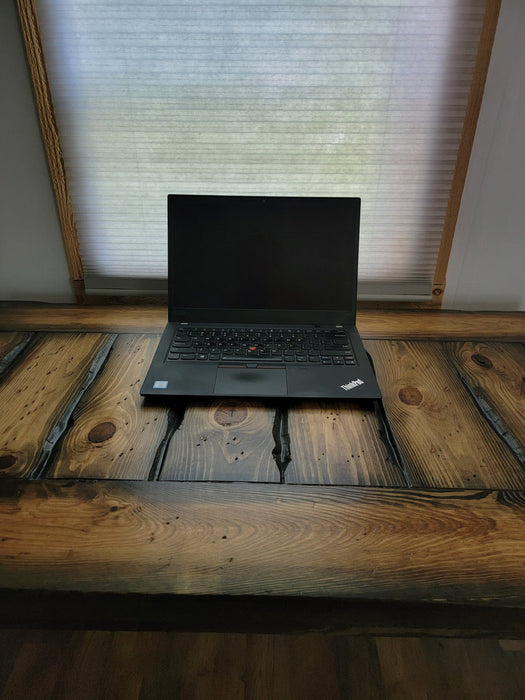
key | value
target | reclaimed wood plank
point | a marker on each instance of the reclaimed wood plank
(223, 440)
(462, 547)
(12, 343)
(372, 323)
(495, 375)
(441, 434)
(115, 433)
(37, 399)
(338, 443)
(439, 324)
(116, 318)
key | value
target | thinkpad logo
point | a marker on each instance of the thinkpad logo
(352, 385)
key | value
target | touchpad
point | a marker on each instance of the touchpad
(250, 382)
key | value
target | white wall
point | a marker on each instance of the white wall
(487, 260)
(487, 263)
(33, 264)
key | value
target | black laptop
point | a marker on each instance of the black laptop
(262, 300)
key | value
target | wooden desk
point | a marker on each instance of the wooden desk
(119, 513)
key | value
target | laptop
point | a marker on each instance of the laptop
(262, 300)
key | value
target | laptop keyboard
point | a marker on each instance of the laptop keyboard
(318, 346)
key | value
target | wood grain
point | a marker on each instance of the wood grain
(372, 323)
(443, 438)
(37, 399)
(261, 539)
(223, 440)
(115, 435)
(495, 375)
(338, 443)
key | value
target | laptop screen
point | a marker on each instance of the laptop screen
(251, 252)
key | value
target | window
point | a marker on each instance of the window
(353, 98)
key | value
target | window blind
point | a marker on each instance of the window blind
(291, 97)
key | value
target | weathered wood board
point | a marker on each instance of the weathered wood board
(372, 323)
(338, 443)
(263, 539)
(223, 440)
(115, 434)
(444, 439)
(37, 398)
(495, 375)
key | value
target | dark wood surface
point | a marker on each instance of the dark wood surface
(397, 511)
(153, 665)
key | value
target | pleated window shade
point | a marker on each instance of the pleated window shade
(355, 98)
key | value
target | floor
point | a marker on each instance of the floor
(166, 665)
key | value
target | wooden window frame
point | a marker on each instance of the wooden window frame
(37, 66)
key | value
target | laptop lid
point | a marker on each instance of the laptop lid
(255, 259)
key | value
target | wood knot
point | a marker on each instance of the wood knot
(102, 432)
(410, 395)
(7, 461)
(481, 360)
(228, 414)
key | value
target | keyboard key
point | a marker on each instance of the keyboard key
(335, 353)
(249, 358)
